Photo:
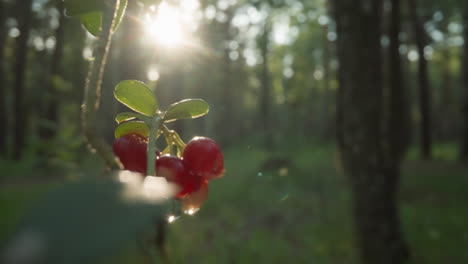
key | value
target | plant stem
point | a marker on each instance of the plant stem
(151, 151)
(93, 89)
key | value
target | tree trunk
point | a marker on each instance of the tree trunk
(51, 114)
(464, 147)
(21, 51)
(399, 125)
(265, 99)
(327, 116)
(228, 131)
(3, 110)
(423, 82)
(367, 161)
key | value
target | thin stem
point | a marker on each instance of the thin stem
(174, 136)
(151, 151)
(93, 89)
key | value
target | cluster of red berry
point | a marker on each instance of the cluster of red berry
(201, 161)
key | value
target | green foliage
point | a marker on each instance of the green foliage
(309, 209)
(80, 222)
(186, 109)
(137, 96)
(126, 116)
(128, 127)
(90, 13)
(79, 7)
(92, 22)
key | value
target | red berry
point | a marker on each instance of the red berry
(203, 158)
(131, 150)
(193, 201)
(174, 170)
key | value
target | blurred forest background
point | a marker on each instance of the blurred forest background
(317, 104)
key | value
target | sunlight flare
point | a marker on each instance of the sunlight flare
(166, 27)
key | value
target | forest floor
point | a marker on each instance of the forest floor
(295, 207)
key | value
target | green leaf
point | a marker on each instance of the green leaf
(79, 7)
(92, 22)
(128, 127)
(125, 116)
(186, 109)
(83, 221)
(137, 96)
(92, 19)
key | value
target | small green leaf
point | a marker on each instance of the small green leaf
(125, 116)
(128, 127)
(79, 7)
(137, 96)
(186, 109)
(92, 19)
(92, 22)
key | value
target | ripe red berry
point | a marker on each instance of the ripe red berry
(131, 150)
(174, 170)
(203, 158)
(193, 201)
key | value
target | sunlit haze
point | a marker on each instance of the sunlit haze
(165, 27)
(171, 25)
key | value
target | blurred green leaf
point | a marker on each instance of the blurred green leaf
(79, 7)
(59, 84)
(80, 222)
(128, 127)
(92, 18)
(92, 22)
(186, 109)
(126, 116)
(137, 96)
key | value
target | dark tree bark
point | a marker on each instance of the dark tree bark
(51, 109)
(3, 110)
(399, 125)
(21, 51)
(363, 145)
(265, 99)
(423, 82)
(464, 147)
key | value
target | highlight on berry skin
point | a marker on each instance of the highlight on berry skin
(201, 161)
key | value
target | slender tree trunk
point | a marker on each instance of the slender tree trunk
(227, 98)
(228, 131)
(464, 144)
(49, 131)
(445, 123)
(21, 51)
(366, 158)
(423, 82)
(265, 99)
(399, 126)
(130, 66)
(3, 110)
(327, 117)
